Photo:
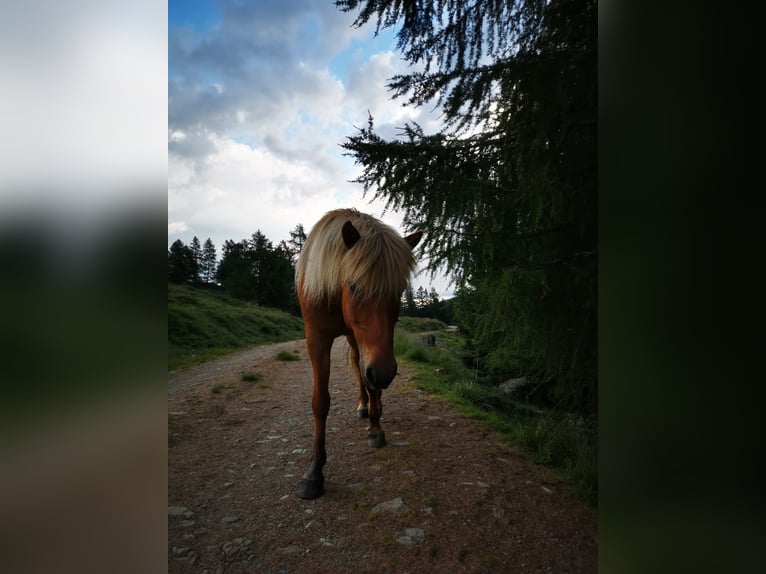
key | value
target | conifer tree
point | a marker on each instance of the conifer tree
(506, 191)
(209, 260)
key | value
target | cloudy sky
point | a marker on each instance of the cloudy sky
(260, 95)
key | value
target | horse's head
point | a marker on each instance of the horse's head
(371, 318)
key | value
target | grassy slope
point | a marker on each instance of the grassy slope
(204, 324)
(558, 440)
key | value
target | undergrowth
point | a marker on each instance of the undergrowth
(560, 440)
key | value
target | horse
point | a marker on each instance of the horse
(349, 278)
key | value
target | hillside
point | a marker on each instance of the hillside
(204, 324)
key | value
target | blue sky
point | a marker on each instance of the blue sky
(260, 95)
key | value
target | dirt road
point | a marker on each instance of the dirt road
(443, 496)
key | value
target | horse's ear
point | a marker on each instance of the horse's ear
(350, 234)
(414, 238)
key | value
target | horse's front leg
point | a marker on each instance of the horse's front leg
(313, 479)
(362, 410)
(369, 402)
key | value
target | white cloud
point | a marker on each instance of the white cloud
(256, 117)
(176, 227)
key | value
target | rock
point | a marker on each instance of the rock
(312, 524)
(415, 534)
(390, 506)
(498, 512)
(412, 536)
(229, 519)
(180, 511)
(513, 386)
(237, 548)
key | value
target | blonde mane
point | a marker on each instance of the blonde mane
(378, 265)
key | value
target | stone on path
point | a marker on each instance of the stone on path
(395, 505)
(412, 536)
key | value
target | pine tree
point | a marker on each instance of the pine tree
(209, 260)
(196, 250)
(297, 239)
(181, 264)
(506, 191)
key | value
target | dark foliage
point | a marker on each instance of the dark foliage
(182, 267)
(511, 206)
(254, 270)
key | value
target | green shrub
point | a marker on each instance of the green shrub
(288, 356)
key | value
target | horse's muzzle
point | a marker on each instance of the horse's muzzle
(379, 379)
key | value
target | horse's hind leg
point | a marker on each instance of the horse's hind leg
(376, 438)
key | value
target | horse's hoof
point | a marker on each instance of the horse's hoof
(377, 441)
(311, 489)
(362, 413)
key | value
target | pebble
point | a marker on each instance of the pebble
(229, 519)
(395, 505)
(180, 511)
(412, 536)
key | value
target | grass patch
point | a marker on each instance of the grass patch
(204, 324)
(252, 377)
(562, 441)
(288, 356)
(217, 388)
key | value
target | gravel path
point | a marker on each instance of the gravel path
(444, 494)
